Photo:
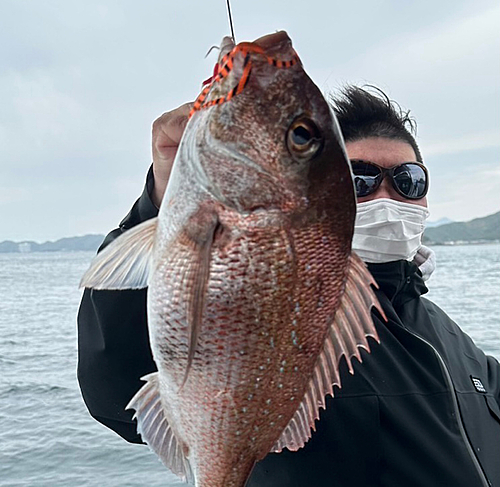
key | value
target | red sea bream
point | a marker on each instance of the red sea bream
(254, 294)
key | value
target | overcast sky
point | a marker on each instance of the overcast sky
(82, 81)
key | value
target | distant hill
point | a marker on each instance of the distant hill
(87, 242)
(486, 229)
(438, 223)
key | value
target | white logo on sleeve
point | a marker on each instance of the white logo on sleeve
(478, 384)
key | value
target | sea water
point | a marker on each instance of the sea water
(47, 437)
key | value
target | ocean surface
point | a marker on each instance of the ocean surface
(47, 438)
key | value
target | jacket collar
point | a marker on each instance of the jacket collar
(400, 281)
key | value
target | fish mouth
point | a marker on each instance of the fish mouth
(272, 41)
(226, 46)
(235, 63)
(278, 42)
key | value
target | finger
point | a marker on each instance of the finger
(168, 129)
(419, 258)
(425, 251)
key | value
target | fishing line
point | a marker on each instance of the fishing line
(224, 67)
(230, 20)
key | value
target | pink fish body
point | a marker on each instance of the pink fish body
(253, 292)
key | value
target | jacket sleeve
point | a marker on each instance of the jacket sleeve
(494, 376)
(113, 343)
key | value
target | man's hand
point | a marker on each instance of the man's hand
(167, 133)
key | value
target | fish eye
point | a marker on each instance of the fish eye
(303, 139)
(301, 136)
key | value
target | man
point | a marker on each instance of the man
(421, 410)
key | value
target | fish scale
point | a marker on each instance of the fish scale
(212, 373)
(254, 295)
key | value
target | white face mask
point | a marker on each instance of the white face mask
(388, 230)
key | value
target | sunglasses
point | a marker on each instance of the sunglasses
(409, 179)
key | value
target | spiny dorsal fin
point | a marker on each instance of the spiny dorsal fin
(347, 334)
(125, 262)
(154, 429)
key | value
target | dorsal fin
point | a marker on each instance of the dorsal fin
(347, 334)
(154, 429)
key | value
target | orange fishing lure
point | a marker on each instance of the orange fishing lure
(247, 49)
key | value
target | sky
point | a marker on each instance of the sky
(82, 81)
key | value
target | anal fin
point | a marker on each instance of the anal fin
(154, 429)
(347, 334)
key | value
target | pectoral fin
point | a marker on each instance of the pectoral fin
(199, 235)
(125, 262)
(347, 334)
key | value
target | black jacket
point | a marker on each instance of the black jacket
(422, 409)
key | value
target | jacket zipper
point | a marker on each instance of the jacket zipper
(484, 480)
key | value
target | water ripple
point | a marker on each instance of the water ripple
(47, 436)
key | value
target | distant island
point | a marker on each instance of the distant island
(437, 223)
(70, 244)
(479, 230)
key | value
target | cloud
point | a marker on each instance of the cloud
(81, 83)
(13, 194)
(465, 192)
(40, 109)
(469, 142)
(455, 44)
(446, 72)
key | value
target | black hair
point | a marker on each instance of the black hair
(362, 113)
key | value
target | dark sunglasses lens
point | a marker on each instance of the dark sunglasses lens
(366, 178)
(411, 180)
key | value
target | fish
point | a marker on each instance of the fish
(254, 294)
